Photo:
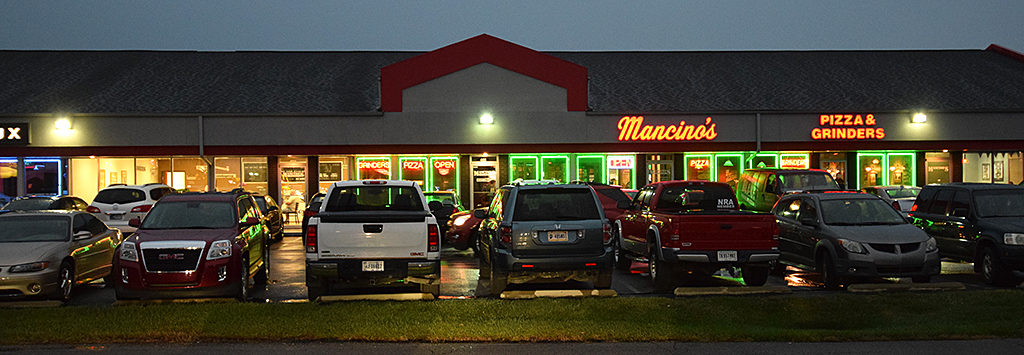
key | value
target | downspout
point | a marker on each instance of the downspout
(757, 129)
(211, 175)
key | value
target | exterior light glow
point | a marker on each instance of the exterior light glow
(919, 118)
(63, 124)
(486, 119)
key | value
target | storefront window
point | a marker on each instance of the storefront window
(698, 167)
(936, 168)
(901, 169)
(761, 161)
(227, 173)
(293, 186)
(870, 170)
(555, 168)
(1002, 167)
(728, 168)
(368, 168)
(590, 168)
(835, 164)
(194, 171)
(621, 169)
(158, 170)
(254, 175)
(413, 169)
(444, 173)
(523, 168)
(332, 169)
(8, 179)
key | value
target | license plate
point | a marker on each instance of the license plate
(558, 236)
(116, 217)
(726, 255)
(377, 265)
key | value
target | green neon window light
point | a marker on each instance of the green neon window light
(526, 158)
(883, 163)
(598, 159)
(805, 157)
(688, 158)
(401, 168)
(912, 168)
(555, 158)
(456, 169)
(359, 172)
(773, 156)
(737, 161)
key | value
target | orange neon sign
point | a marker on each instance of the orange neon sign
(444, 164)
(847, 126)
(790, 163)
(632, 128)
(620, 163)
(700, 164)
(379, 164)
(412, 165)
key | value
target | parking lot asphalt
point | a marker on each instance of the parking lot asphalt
(460, 280)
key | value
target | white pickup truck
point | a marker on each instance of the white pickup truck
(372, 233)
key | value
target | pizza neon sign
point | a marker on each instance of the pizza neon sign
(848, 127)
(412, 165)
(700, 164)
(632, 128)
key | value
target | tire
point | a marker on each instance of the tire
(433, 290)
(499, 280)
(263, 275)
(622, 261)
(827, 269)
(662, 275)
(242, 290)
(993, 271)
(921, 279)
(755, 275)
(776, 268)
(314, 291)
(604, 279)
(66, 283)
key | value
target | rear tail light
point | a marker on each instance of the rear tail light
(913, 208)
(433, 239)
(143, 208)
(607, 232)
(92, 209)
(506, 235)
(311, 242)
(896, 205)
(775, 230)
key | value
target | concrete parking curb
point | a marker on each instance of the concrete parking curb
(379, 297)
(937, 286)
(30, 304)
(174, 300)
(707, 291)
(525, 295)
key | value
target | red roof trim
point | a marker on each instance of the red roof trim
(1005, 51)
(484, 48)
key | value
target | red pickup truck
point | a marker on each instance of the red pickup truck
(683, 227)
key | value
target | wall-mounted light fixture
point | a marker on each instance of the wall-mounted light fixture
(62, 124)
(486, 119)
(919, 118)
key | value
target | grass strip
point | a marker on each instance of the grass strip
(842, 317)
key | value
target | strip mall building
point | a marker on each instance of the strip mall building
(485, 111)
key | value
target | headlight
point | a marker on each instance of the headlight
(852, 246)
(1013, 239)
(460, 220)
(30, 267)
(930, 245)
(128, 252)
(219, 250)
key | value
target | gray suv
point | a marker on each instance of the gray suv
(545, 232)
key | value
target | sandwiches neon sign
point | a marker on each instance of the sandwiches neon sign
(378, 164)
(632, 128)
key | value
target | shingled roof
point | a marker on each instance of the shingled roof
(158, 82)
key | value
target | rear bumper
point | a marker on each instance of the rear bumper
(348, 273)
(710, 257)
(505, 261)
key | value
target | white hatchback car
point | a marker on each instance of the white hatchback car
(116, 204)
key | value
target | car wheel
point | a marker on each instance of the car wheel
(754, 275)
(66, 276)
(314, 291)
(662, 275)
(993, 271)
(604, 279)
(263, 275)
(827, 269)
(622, 261)
(432, 289)
(499, 280)
(776, 268)
(242, 291)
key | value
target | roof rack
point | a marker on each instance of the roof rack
(153, 183)
(521, 182)
(117, 185)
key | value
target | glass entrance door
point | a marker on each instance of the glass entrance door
(485, 179)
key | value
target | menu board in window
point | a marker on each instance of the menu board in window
(330, 171)
(254, 172)
(293, 174)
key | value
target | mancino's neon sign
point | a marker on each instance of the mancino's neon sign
(632, 128)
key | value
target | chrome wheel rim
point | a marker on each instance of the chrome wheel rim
(653, 265)
(65, 282)
(245, 281)
(986, 266)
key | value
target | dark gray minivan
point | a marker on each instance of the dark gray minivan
(759, 189)
(545, 232)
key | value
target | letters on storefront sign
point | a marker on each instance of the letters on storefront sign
(412, 165)
(632, 128)
(847, 126)
(378, 164)
(14, 133)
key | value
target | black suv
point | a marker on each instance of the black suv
(545, 232)
(980, 223)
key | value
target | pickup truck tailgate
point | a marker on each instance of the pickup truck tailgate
(733, 231)
(367, 236)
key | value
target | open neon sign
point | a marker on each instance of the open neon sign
(620, 162)
(632, 128)
(847, 126)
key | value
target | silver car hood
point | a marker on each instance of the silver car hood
(890, 234)
(15, 253)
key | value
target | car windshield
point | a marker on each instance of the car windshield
(28, 204)
(1000, 203)
(810, 181)
(120, 196)
(558, 204)
(861, 211)
(706, 197)
(190, 215)
(902, 193)
(34, 229)
(262, 203)
(374, 198)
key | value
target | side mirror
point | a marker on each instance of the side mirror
(249, 222)
(960, 212)
(135, 222)
(623, 204)
(809, 221)
(480, 213)
(82, 235)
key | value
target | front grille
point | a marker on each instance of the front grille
(172, 259)
(891, 248)
(896, 270)
(909, 247)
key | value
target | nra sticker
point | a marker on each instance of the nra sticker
(418, 253)
(726, 203)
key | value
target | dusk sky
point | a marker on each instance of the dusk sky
(547, 25)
